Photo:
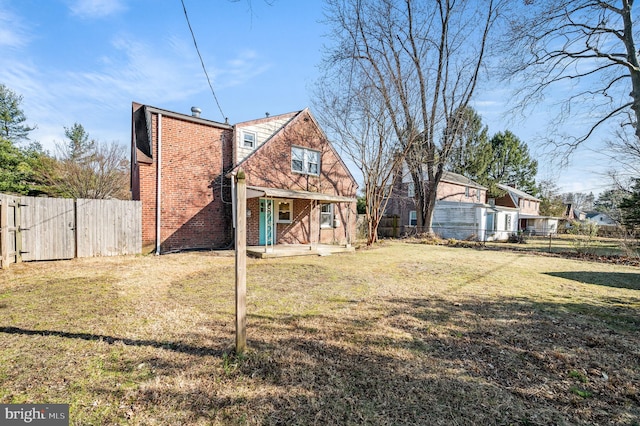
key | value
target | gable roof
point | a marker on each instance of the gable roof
(141, 136)
(295, 117)
(460, 180)
(520, 194)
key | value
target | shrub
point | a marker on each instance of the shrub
(584, 236)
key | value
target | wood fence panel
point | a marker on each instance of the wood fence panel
(8, 246)
(48, 228)
(38, 228)
(108, 227)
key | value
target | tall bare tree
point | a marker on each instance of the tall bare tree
(359, 124)
(585, 49)
(422, 61)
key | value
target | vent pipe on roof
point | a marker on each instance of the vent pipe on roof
(195, 111)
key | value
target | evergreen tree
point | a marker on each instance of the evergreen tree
(630, 207)
(471, 156)
(12, 118)
(79, 148)
(511, 164)
(18, 165)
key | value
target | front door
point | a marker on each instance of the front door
(266, 222)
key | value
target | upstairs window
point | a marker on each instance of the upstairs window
(248, 140)
(478, 195)
(466, 191)
(411, 190)
(305, 161)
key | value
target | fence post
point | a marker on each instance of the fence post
(18, 231)
(241, 262)
(4, 233)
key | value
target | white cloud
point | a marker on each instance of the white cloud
(246, 66)
(13, 33)
(89, 9)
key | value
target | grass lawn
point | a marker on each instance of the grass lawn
(400, 334)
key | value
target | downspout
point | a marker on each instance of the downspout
(233, 200)
(158, 185)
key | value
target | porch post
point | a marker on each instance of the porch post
(347, 227)
(241, 262)
(311, 231)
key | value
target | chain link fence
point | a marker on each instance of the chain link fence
(604, 242)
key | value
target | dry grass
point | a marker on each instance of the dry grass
(401, 334)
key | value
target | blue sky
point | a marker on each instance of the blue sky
(85, 61)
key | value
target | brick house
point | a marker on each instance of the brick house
(461, 209)
(299, 190)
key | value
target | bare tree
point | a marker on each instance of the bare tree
(86, 168)
(422, 62)
(102, 175)
(359, 124)
(583, 48)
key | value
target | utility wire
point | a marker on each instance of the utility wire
(201, 61)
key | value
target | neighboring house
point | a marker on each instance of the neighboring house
(299, 191)
(461, 211)
(600, 219)
(528, 207)
(571, 213)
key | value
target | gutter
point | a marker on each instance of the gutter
(159, 185)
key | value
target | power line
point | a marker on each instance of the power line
(201, 61)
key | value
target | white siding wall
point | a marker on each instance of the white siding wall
(456, 220)
(263, 132)
(505, 224)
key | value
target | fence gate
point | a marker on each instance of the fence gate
(48, 228)
(38, 228)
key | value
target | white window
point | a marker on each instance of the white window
(411, 189)
(326, 215)
(413, 218)
(285, 211)
(478, 194)
(466, 191)
(248, 139)
(507, 222)
(305, 161)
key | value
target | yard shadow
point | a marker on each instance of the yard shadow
(172, 346)
(401, 361)
(431, 361)
(629, 280)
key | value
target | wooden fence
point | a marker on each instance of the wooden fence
(35, 228)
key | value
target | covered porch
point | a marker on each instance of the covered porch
(538, 225)
(285, 222)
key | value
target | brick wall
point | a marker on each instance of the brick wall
(270, 166)
(195, 197)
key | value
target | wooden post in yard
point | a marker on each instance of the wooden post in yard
(241, 262)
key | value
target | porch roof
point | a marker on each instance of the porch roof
(257, 191)
(535, 216)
